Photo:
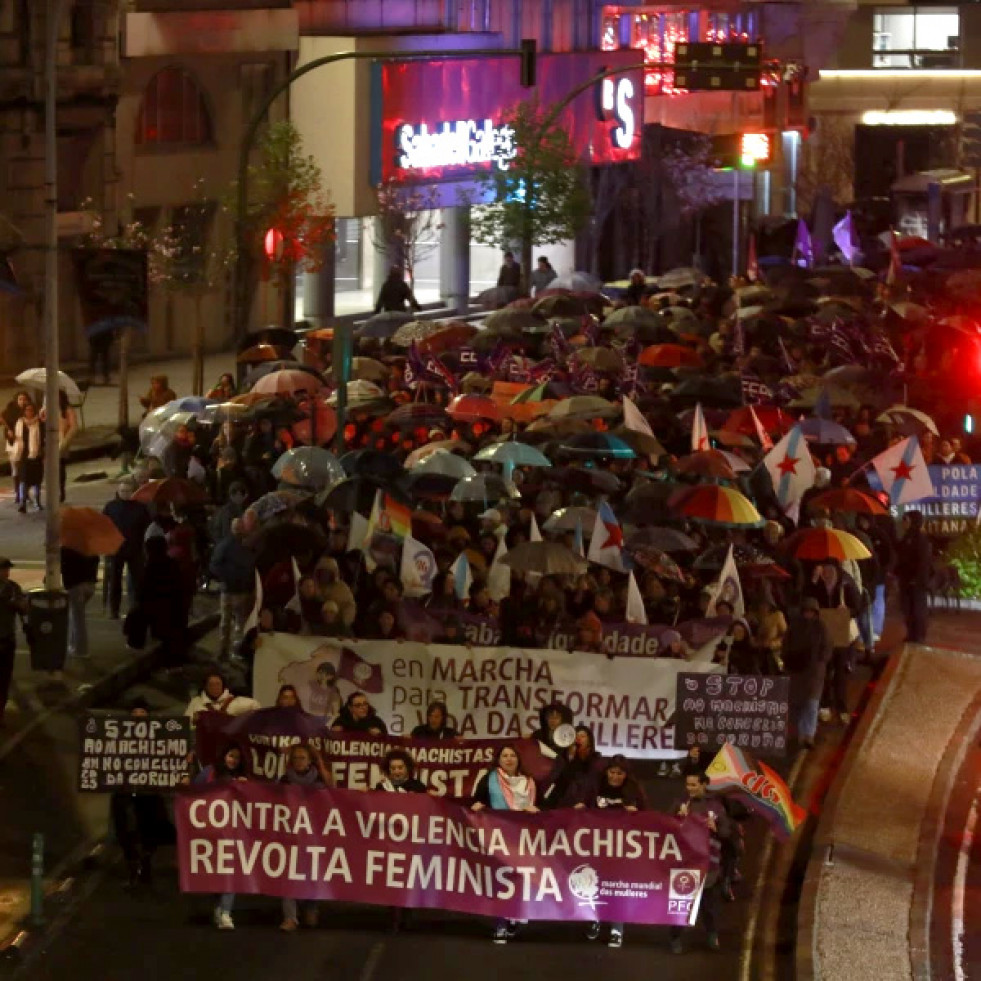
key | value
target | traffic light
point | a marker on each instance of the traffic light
(529, 55)
(272, 245)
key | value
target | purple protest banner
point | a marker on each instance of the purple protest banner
(416, 851)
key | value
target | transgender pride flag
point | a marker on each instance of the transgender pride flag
(763, 789)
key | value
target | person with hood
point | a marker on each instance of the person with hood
(396, 294)
(229, 767)
(615, 790)
(807, 651)
(328, 575)
(575, 782)
(737, 650)
(131, 518)
(305, 767)
(400, 775)
(506, 787)
(215, 697)
(358, 716)
(436, 725)
(698, 805)
(636, 288)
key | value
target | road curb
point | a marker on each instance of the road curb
(921, 910)
(824, 834)
(61, 881)
(80, 454)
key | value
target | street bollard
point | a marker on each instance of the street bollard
(37, 879)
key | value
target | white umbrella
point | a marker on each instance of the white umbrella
(444, 462)
(578, 281)
(37, 378)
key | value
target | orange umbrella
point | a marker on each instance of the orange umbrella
(177, 491)
(89, 531)
(669, 356)
(469, 408)
(259, 353)
(451, 336)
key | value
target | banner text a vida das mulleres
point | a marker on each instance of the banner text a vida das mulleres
(489, 692)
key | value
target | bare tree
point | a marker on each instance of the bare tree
(410, 222)
(827, 160)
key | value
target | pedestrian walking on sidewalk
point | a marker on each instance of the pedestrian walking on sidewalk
(29, 456)
(11, 413)
(79, 574)
(233, 567)
(13, 603)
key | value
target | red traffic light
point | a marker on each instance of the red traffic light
(272, 244)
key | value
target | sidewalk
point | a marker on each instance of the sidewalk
(39, 744)
(857, 916)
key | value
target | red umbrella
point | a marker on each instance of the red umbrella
(772, 418)
(450, 337)
(177, 491)
(669, 356)
(847, 499)
(470, 408)
(326, 424)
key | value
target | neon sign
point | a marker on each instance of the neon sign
(615, 98)
(465, 143)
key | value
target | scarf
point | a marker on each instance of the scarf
(32, 432)
(510, 793)
(392, 788)
(307, 779)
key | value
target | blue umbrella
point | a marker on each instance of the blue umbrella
(818, 430)
(598, 444)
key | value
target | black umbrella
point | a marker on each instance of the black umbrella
(713, 558)
(380, 466)
(357, 494)
(647, 503)
(270, 334)
(427, 486)
(276, 541)
(585, 480)
(665, 539)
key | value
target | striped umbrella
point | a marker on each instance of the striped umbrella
(820, 544)
(713, 504)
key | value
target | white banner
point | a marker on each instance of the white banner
(491, 692)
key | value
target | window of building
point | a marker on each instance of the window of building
(173, 111)
(916, 37)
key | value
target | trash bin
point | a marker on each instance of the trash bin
(47, 628)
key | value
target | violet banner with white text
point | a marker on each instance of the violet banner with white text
(490, 692)
(417, 851)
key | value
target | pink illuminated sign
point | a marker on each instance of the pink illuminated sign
(443, 120)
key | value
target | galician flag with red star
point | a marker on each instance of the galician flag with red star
(790, 467)
(606, 545)
(903, 472)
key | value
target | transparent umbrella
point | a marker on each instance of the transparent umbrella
(446, 463)
(309, 467)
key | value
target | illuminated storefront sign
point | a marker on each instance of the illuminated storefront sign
(444, 119)
(754, 148)
(461, 144)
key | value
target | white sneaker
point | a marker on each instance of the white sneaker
(825, 715)
(224, 920)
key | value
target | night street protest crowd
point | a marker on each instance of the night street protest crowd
(576, 466)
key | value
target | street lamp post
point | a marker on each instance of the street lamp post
(52, 424)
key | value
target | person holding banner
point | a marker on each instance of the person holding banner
(698, 805)
(435, 726)
(400, 775)
(358, 716)
(305, 768)
(616, 788)
(505, 788)
(576, 781)
(215, 697)
(230, 766)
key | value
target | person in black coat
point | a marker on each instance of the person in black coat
(435, 726)
(395, 294)
(161, 606)
(358, 716)
(132, 518)
(806, 654)
(914, 564)
(79, 574)
(574, 785)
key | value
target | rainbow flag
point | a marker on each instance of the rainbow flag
(388, 517)
(764, 790)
